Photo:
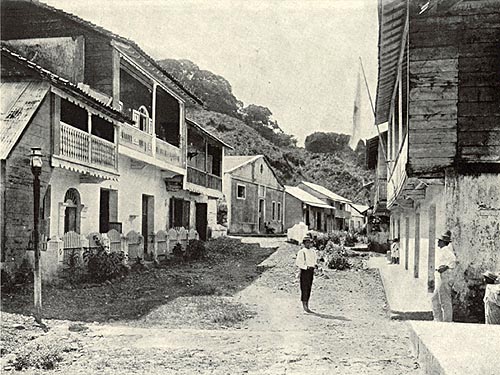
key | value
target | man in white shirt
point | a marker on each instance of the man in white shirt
(306, 261)
(445, 262)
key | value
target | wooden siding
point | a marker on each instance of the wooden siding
(433, 94)
(23, 20)
(454, 87)
(479, 91)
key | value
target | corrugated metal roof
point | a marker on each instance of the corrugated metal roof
(19, 101)
(234, 162)
(323, 190)
(306, 197)
(392, 20)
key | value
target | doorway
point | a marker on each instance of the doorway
(262, 215)
(148, 224)
(201, 220)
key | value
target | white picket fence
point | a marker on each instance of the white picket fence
(71, 247)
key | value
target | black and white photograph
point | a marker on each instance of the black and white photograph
(251, 187)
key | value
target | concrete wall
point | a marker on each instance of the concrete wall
(293, 211)
(243, 214)
(473, 216)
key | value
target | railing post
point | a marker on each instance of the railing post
(90, 136)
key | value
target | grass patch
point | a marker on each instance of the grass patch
(229, 266)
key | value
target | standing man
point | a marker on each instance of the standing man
(395, 251)
(307, 263)
(445, 262)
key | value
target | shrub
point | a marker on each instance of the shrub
(319, 239)
(336, 257)
(336, 237)
(177, 251)
(103, 265)
(195, 249)
(350, 239)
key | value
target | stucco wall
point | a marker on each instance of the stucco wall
(473, 216)
(293, 211)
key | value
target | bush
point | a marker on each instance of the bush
(102, 265)
(177, 251)
(336, 237)
(195, 249)
(336, 257)
(319, 239)
(350, 239)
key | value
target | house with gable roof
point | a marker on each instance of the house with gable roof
(339, 218)
(254, 195)
(157, 169)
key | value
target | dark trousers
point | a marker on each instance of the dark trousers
(306, 280)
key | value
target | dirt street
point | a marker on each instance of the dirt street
(351, 333)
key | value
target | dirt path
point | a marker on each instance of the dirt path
(350, 334)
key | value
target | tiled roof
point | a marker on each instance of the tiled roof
(112, 35)
(19, 102)
(306, 197)
(328, 193)
(234, 162)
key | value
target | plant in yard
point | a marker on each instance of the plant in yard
(103, 265)
(177, 251)
(319, 239)
(349, 239)
(195, 249)
(336, 236)
(336, 256)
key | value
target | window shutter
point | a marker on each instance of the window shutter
(150, 125)
(136, 116)
(185, 214)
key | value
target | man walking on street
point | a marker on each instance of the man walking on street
(445, 262)
(307, 262)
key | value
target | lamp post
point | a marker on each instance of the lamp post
(36, 169)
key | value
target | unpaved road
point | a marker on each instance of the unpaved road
(351, 333)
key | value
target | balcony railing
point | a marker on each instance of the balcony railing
(397, 174)
(136, 139)
(86, 148)
(167, 152)
(201, 178)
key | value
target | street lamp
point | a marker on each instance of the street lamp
(36, 169)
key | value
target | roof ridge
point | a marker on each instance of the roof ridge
(53, 77)
(103, 30)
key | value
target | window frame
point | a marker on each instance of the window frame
(238, 192)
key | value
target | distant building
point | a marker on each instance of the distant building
(339, 218)
(359, 216)
(302, 206)
(254, 195)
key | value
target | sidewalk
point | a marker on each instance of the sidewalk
(441, 348)
(406, 296)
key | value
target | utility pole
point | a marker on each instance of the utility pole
(36, 169)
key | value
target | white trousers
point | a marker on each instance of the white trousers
(441, 298)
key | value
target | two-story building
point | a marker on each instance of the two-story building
(154, 179)
(78, 136)
(439, 91)
(339, 218)
(254, 195)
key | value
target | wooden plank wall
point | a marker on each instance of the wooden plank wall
(22, 20)
(479, 82)
(433, 94)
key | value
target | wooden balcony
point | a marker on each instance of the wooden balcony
(87, 149)
(167, 152)
(136, 139)
(397, 174)
(205, 179)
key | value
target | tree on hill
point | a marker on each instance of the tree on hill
(326, 142)
(215, 91)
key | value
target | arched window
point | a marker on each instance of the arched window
(144, 120)
(72, 211)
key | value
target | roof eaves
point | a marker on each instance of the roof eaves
(243, 163)
(130, 42)
(61, 82)
(210, 135)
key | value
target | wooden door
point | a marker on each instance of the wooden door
(201, 220)
(262, 215)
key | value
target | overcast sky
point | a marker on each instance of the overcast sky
(298, 58)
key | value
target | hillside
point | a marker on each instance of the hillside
(251, 130)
